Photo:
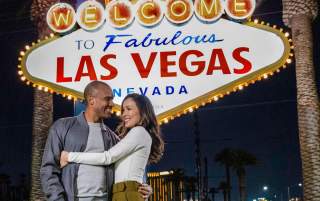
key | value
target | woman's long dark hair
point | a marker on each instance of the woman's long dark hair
(149, 122)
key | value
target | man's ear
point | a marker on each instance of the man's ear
(91, 100)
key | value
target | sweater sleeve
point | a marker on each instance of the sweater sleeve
(136, 138)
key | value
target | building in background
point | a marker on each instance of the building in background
(172, 185)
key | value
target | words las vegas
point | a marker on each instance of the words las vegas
(91, 15)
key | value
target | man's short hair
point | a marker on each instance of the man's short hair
(91, 89)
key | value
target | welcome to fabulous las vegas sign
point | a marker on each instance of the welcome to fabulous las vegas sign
(178, 53)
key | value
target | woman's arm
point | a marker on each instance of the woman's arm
(134, 140)
(88, 158)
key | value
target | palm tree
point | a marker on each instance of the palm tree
(241, 160)
(225, 157)
(42, 107)
(224, 187)
(43, 104)
(298, 15)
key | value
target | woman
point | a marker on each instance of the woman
(140, 143)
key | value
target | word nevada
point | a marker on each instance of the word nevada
(91, 15)
(151, 91)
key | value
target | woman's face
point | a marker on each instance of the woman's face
(130, 113)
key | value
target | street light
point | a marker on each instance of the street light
(265, 188)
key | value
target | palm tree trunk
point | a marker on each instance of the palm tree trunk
(225, 193)
(42, 107)
(213, 194)
(308, 107)
(242, 186)
(228, 183)
(298, 14)
(42, 119)
(43, 104)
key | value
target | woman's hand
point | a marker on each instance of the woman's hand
(64, 159)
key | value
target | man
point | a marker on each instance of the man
(83, 133)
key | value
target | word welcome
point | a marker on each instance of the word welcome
(90, 15)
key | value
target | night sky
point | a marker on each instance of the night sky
(261, 119)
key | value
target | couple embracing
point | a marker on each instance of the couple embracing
(84, 160)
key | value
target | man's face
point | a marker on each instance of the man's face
(102, 102)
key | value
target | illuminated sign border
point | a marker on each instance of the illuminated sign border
(189, 106)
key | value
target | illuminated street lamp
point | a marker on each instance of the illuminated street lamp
(265, 188)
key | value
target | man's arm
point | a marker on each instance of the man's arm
(50, 172)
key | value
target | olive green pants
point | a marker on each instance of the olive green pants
(126, 191)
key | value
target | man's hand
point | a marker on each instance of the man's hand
(145, 190)
(64, 159)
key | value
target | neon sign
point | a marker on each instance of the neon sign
(180, 65)
(91, 15)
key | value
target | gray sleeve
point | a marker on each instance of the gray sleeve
(50, 171)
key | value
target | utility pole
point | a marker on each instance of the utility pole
(198, 154)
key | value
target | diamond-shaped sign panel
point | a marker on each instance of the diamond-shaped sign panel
(177, 67)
